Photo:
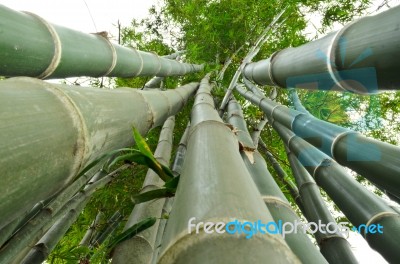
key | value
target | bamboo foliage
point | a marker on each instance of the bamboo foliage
(274, 199)
(31, 46)
(53, 131)
(375, 160)
(211, 191)
(144, 243)
(361, 58)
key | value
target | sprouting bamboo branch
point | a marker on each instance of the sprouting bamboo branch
(227, 63)
(250, 55)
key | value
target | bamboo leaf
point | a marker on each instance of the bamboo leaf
(132, 231)
(167, 171)
(96, 161)
(134, 156)
(173, 183)
(153, 194)
(141, 144)
(141, 158)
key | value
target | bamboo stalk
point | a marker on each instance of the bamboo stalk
(294, 191)
(67, 216)
(274, 199)
(144, 243)
(31, 46)
(357, 203)
(111, 225)
(37, 226)
(375, 160)
(154, 82)
(176, 170)
(67, 127)
(215, 186)
(91, 232)
(334, 247)
(361, 58)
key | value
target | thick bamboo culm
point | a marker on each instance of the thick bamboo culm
(227, 193)
(361, 206)
(274, 199)
(31, 46)
(144, 243)
(49, 132)
(362, 57)
(377, 161)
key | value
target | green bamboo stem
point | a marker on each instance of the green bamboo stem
(274, 199)
(176, 170)
(144, 243)
(294, 192)
(157, 81)
(361, 58)
(356, 202)
(334, 247)
(34, 229)
(180, 152)
(111, 225)
(68, 127)
(375, 160)
(66, 217)
(215, 186)
(91, 232)
(154, 82)
(31, 46)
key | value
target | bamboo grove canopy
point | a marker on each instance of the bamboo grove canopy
(50, 132)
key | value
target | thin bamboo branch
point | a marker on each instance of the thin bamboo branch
(91, 232)
(34, 229)
(68, 215)
(250, 55)
(283, 176)
(111, 225)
